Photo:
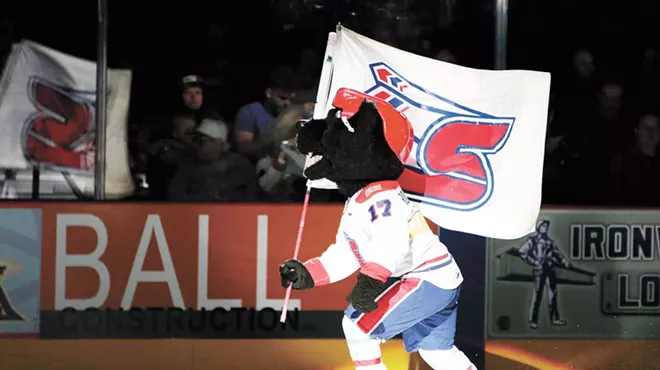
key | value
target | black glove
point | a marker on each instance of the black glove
(294, 272)
(364, 293)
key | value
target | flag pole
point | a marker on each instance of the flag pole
(101, 99)
(325, 80)
(501, 23)
(320, 112)
(322, 98)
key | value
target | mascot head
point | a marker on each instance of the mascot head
(362, 140)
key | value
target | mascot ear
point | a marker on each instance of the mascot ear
(367, 118)
(310, 136)
(310, 133)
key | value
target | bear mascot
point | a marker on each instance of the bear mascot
(407, 281)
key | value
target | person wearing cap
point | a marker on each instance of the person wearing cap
(214, 174)
(192, 99)
(255, 120)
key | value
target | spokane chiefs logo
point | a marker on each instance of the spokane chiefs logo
(451, 166)
(60, 132)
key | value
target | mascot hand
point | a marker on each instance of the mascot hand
(294, 273)
(364, 293)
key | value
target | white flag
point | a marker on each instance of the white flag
(47, 117)
(477, 162)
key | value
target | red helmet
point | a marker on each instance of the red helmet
(398, 130)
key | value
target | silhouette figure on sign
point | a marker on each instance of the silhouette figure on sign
(542, 253)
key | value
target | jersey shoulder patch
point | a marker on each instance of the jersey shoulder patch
(375, 188)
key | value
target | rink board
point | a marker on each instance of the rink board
(572, 354)
(245, 245)
(186, 354)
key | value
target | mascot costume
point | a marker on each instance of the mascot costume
(408, 282)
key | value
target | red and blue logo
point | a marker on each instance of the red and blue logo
(451, 162)
(60, 133)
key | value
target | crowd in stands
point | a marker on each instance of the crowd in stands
(203, 157)
(601, 149)
(603, 122)
(603, 135)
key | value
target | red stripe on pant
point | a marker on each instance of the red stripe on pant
(434, 260)
(367, 362)
(392, 296)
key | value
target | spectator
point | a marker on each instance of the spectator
(165, 155)
(280, 173)
(610, 101)
(597, 138)
(214, 174)
(583, 61)
(254, 120)
(557, 156)
(610, 135)
(601, 130)
(193, 96)
(193, 103)
(635, 175)
(8, 190)
(577, 99)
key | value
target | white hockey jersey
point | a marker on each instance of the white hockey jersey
(383, 234)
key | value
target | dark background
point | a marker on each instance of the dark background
(161, 41)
